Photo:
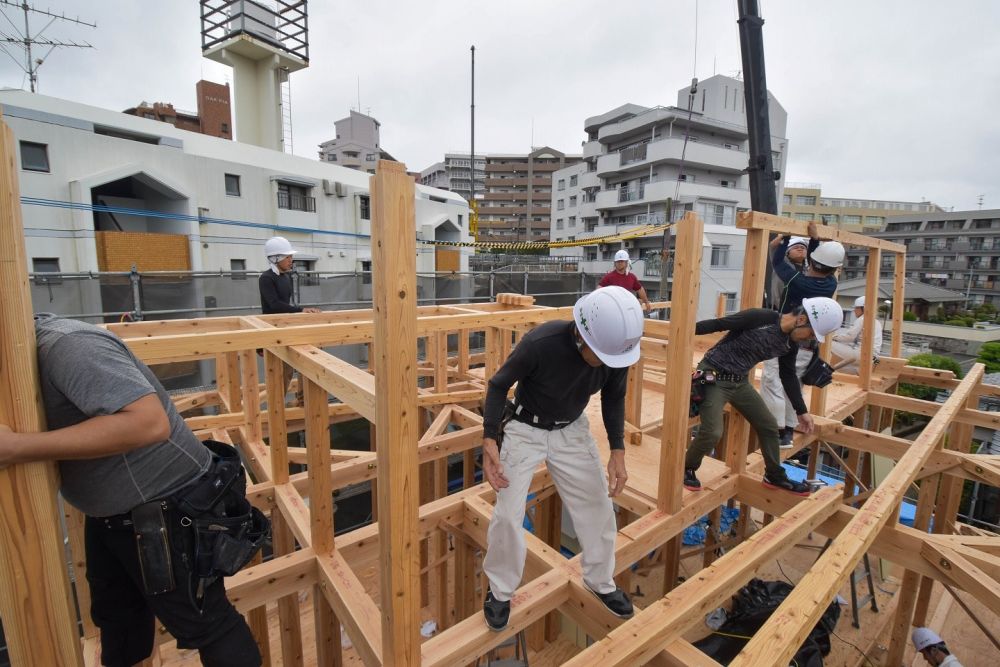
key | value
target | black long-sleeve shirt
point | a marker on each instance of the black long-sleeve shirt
(798, 285)
(754, 336)
(276, 295)
(554, 383)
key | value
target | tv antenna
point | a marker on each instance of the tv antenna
(26, 40)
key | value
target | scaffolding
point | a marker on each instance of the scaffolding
(422, 548)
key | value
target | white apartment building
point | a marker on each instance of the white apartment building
(356, 145)
(88, 176)
(453, 175)
(636, 157)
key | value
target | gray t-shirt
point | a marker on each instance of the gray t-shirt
(86, 371)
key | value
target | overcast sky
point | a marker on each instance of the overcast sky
(886, 99)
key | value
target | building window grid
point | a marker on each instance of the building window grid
(720, 255)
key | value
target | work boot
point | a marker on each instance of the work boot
(616, 601)
(785, 484)
(497, 612)
(785, 437)
(691, 482)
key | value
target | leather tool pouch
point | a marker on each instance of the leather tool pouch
(152, 539)
(699, 380)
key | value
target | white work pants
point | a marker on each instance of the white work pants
(774, 394)
(846, 352)
(575, 466)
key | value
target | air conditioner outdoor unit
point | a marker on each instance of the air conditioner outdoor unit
(629, 245)
(333, 188)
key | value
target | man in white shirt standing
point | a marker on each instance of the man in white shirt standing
(847, 343)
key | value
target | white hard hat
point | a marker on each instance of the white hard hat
(859, 302)
(798, 240)
(829, 254)
(825, 315)
(924, 637)
(621, 255)
(278, 245)
(610, 321)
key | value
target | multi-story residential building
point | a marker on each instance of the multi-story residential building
(516, 205)
(453, 175)
(356, 145)
(805, 201)
(636, 158)
(958, 250)
(213, 117)
(105, 191)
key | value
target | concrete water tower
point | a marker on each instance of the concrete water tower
(263, 41)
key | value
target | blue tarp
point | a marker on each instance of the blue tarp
(906, 512)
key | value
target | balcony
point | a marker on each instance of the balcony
(592, 149)
(295, 202)
(697, 154)
(589, 180)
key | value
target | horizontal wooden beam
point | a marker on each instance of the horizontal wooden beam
(788, 226)
(981, 585)
(257, 585)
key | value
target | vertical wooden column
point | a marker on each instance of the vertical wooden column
(871, 316)
(35, 598)
(675, 435)
(633, 401)
(250, 394)
(463, 351)
(898, 279)
(395, 299)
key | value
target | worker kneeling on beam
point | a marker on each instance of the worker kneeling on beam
(755, 335)
(558, 366)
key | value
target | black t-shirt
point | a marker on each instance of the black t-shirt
(276, 295)
(554, 383)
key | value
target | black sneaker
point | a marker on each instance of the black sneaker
(691, 482)
(786, 434)
(497, 612)
(616, 601)
(785, 484)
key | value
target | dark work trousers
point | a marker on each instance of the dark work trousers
(125, 613)
(743, 397)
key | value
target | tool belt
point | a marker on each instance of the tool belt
(700, 379)
(525, 417)
(818, 373)
(209, 523)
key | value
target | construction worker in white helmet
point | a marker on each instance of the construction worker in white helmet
(558, 366)
(755, 335)
(622, 276)
(933, 649)
(816, 278)
(846, 346)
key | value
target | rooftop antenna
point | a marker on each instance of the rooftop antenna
(980, 200)
(27, 40)
(359, 94)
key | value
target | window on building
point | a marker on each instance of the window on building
(730, 301)
(828, 218)
(805, 200)
(852, 219)
(306, 269)
(559, 223)
(224, 128)
(935, 224)
(366, 272)
(874, 220)
(572, 200)
(562, 184)
(572, 221)
(238, 267)
(370, 157)
(804, 216)
(34, 157)
(786, 199)
(332, 157)
(365, 207)
(296, 197)
(560, 204)
(233, 185)
(572, 180)
(720, 255)
(46, 265)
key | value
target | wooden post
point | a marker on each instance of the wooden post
(871, 316)
(898, 279)
(674, 438)
(395, 298)
(35, 598)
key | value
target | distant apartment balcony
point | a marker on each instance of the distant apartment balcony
(589, 180)
(716, 157)
(657, 192)
(592, 149)
(295, 202)
(633, 154)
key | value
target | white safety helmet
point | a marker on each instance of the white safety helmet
(825, 315)
(610, 321)
(924, 637)
(621, 255)
(278, 246)
(829, 254)
(859, 302)
(798, 240)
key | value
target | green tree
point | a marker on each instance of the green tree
(928, 361)
(989, 354)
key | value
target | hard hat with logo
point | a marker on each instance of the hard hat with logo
(829, 254)
(278, 245)
(621, 255)
(925, 637)
(859, 302)
(798, 240)
(610, 321)
(825, 315)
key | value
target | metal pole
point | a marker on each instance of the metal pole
(135, 280)
(472, 129)
(493, 293)
(664, 256)
(525, 290)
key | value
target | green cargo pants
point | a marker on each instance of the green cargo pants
(743, 397)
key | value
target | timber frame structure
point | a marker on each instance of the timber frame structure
(424, 542)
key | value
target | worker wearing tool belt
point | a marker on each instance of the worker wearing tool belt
(558, 366)
(755, 335)
(167, 516)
